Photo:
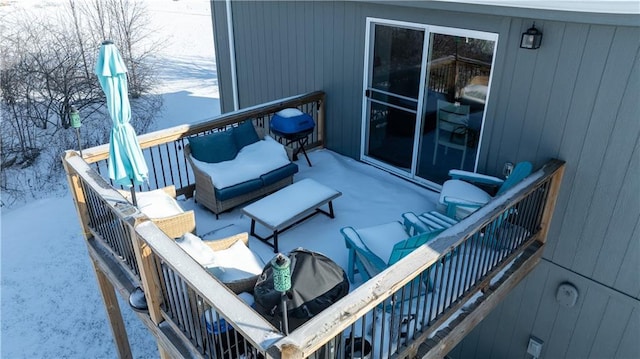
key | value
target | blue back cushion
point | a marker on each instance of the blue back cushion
(245, 134)
(214, 147)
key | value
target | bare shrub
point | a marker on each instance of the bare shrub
(47, 66)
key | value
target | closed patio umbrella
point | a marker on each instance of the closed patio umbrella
(126, 163)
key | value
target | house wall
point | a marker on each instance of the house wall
(223, 63)
(576, 98)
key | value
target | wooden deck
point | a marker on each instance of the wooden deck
(128, 250)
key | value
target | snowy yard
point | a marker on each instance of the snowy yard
(50, 303)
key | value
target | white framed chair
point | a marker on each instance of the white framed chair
(452, 131)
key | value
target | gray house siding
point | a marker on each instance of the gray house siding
(576, 98)
(603, 323)
(221, 44)
(311, 54)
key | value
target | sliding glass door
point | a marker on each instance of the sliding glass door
(392, 94)
(426, 89)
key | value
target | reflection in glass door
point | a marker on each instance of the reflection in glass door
(425, 93)
(452, 118)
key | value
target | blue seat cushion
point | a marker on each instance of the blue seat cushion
(279, 173)
(213, 148)
(245, 134)
(238, 189)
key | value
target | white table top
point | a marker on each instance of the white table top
(287, 205)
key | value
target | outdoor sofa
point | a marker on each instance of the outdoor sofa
(237, 165)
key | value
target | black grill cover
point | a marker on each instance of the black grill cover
(291, 121)
(316, 283)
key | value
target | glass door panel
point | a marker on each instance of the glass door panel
(459, 68)
(392, 94)
(425, 92)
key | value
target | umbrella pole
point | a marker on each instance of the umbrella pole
(133, 194)
(78, 136)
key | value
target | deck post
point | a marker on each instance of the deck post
(552, 198)
(148, 279)
(113, 312)
(77, 193)
(320, 125)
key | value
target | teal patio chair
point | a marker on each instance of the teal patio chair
(461, 197)
(426, 222)
(373, 249)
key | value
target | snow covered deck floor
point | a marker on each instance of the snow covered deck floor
(370, 196)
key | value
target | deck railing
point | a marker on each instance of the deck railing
(409, 302)
(450, 74)
(414, 306)
(184, 300)
(163, 149)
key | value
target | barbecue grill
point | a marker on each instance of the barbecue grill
(294, 126)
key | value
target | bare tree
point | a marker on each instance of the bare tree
(47, 66)
(125, 23)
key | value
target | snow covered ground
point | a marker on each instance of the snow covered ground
(50, 304)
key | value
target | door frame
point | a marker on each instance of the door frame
(367, 73)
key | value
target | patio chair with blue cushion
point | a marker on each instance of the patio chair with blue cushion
(373, 249)
(461, 197)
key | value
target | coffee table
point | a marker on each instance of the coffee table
(289, 206)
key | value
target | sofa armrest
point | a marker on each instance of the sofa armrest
(170, 190)
(177, 225)
(224, 243)
(262, 132)
(174, 225)
(202, 179)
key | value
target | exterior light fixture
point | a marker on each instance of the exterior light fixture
(531, 39)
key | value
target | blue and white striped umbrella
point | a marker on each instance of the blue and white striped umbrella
(127, 165)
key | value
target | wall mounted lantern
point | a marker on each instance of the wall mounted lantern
(531, 39)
